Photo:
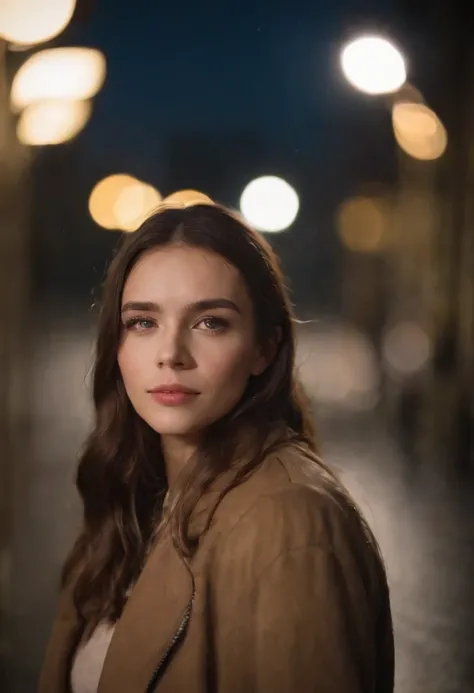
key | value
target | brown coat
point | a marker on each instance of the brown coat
(286, 594)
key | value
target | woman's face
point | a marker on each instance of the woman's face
(188, 345)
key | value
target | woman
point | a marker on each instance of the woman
(217, 553)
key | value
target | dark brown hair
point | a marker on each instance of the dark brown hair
(121, 476)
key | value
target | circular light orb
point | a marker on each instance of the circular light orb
(373, 65)
(363, 224)
(338, 366)
(33, 21)
(104, 196)
(136, 201)
(121, 202)
(269, 204)
(52, 121)
(406, 349)
(419, 131)
(186, 198)
(58, 73)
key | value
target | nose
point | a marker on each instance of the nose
(172, 351)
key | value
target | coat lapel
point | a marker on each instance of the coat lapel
(149, 621)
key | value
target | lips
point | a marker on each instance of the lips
(173, 395)
(174, 389)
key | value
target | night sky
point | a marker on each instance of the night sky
(266, 66)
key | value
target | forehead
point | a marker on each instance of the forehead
(183, 272)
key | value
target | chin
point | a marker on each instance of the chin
(176, 425)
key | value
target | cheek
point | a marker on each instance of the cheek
(229, 363)
(130, 366)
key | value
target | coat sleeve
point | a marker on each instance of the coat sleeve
(299, 622)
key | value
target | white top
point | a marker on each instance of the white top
(89, 660)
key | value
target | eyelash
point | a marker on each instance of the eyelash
(134, 322)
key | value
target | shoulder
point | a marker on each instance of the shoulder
(292, 500)
(292, 506)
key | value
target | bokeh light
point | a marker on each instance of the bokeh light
(419, 131)
(122, 202)
(135, 203)
(186, 198)
(373, 65)
(269, 204)
(337, 363)
(363, 224)
(58, 73)
(104, 197)
(406, 349)
(33, 21)
(52, 121)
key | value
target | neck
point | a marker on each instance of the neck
(176, 452)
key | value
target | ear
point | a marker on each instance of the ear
(266, 353)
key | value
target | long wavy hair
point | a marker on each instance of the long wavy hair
(121, 476)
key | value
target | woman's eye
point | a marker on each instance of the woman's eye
(214, 324)
(139, 324)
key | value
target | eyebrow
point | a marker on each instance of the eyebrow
(196, 307)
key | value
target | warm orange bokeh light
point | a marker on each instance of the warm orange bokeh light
(419, 131)
(122, 202)
(363, 224)
(53, 121)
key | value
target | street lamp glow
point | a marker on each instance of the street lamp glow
(104, 196)
(406, 349)
(134, 204)
(122, 202)
(52, 122)
(373, 65)
(28, 22)
(269, 204)
(363, 224)
(419, 131)
(58, 73)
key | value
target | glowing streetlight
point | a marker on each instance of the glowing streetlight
(27, 22)
(122, 202)
(373, 65)
(104, 196)
(52, 122)
(419, 131)
(134, 204)
(363, 224)
(269, 204)
(338, 364)
(58, 73)
(406, 349)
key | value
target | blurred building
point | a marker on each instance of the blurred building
(14, 343)
(435, 250)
